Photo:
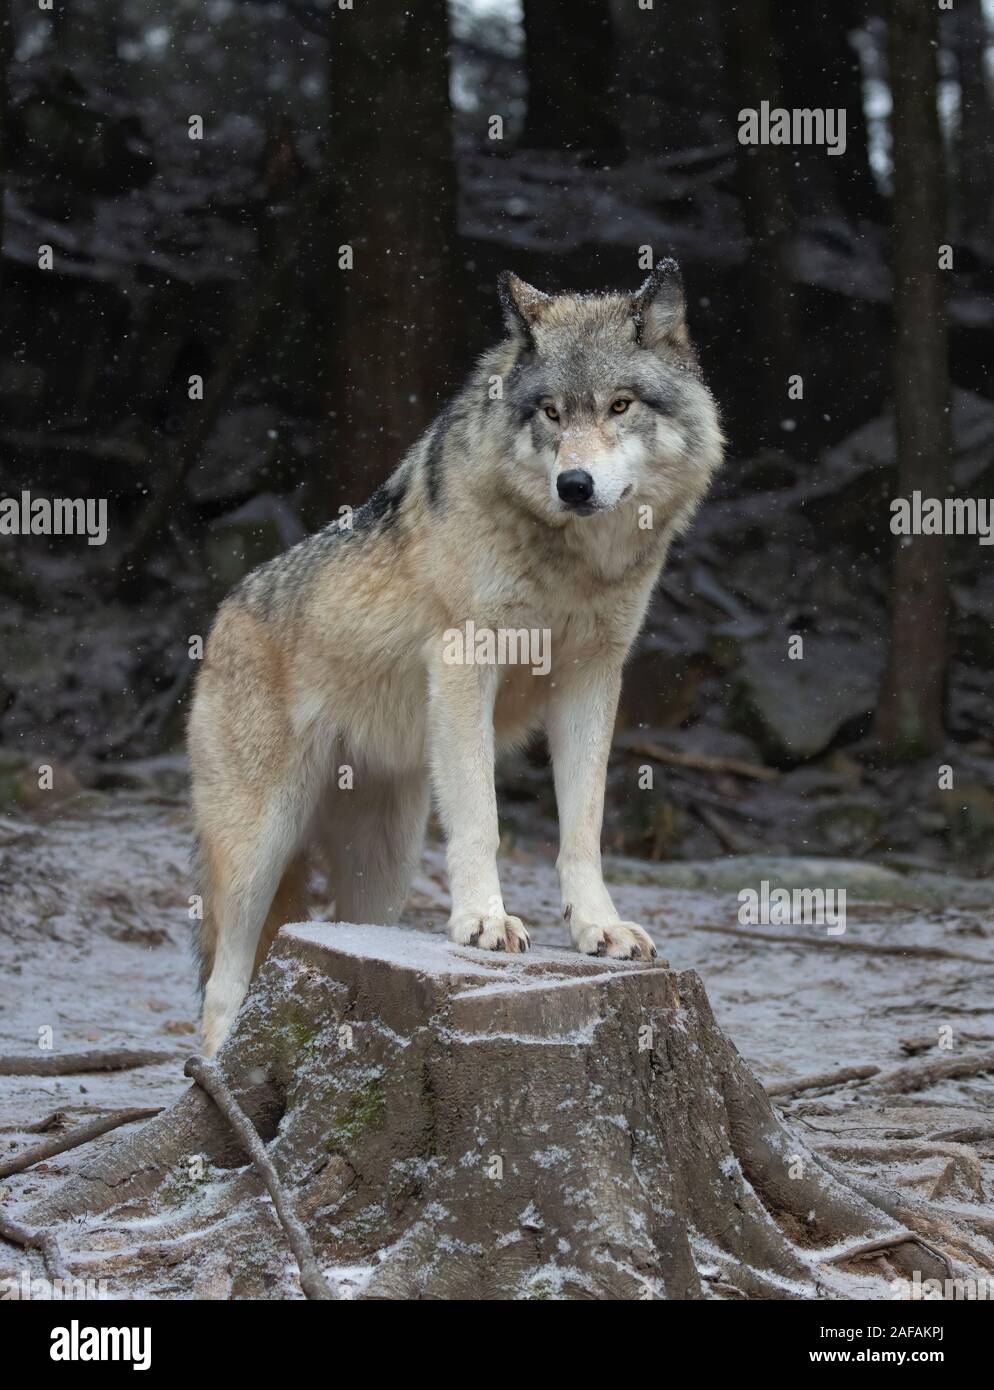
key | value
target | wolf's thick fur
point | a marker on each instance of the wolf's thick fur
(333, 654)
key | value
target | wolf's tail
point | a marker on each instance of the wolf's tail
(203, 924)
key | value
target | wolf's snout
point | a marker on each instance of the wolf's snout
(575, 487)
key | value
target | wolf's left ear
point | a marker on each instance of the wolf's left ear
(658, 307)
(522, 304)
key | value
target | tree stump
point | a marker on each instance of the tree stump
(457, 1124)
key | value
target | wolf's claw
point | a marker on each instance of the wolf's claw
(618, 940)
(490, 932)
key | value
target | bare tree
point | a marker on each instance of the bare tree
(392, 207)
(975, 139)
(570, 67)
(752, 55)
(910, 717)
(6, 48)
(821, 69)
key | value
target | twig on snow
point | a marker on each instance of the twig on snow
(820, 1079)
(75, 1063)
(207, 1076)
(82, 1134)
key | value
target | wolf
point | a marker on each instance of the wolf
(330, 704)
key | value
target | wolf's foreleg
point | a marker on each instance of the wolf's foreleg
(580, 723)
(461, 733)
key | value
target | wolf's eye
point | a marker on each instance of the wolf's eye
(552, 412)
(619, 406)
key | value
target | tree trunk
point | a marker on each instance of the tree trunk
(6, 52)
(975, 138)
(752, 54)
(452, 1124)
(910, 719)
(570, 69)
(392, 199)
(821, 69)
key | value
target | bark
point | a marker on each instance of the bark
(463, 1126)
(391, 197)
(975, 140)
(571, 72)
(910, 718)
(753, 60)
(6, 50)
(821, 68)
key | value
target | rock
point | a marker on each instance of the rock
(849, 823)
(457, 1124)
(863, 882)
(854, 485)
(969, 812)
(795, 708)
(44, 784)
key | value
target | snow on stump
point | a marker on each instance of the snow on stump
(452, 1123)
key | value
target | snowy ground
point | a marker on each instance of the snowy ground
(93, 945)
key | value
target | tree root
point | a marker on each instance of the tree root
(43, 1240)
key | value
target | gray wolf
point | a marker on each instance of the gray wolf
(333, 698)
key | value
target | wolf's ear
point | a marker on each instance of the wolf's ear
(658, 307)
(522, 304)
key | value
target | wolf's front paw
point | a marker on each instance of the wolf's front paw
(622, 940)
(491, 931)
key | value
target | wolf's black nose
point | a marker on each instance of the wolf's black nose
(575, 486)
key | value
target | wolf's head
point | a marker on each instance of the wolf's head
(605, 404)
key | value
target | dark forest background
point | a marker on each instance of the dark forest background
(175, 259)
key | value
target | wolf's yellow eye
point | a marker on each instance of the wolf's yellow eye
(619, 406)
(552, 412)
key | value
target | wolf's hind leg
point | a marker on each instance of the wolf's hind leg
(245, 876)
(373, 837)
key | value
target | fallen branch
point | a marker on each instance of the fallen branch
(82, 1134)
(75, 1063)
(821, 1079)
(726, 836)
(917, 1078)
(702, 763)
(926, 1042)
(869, 948)
(207, 1076)
(963, 1134)
(43, 1240)
(876, 1247)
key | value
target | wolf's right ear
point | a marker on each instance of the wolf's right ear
(522, 304)
(658, 307)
